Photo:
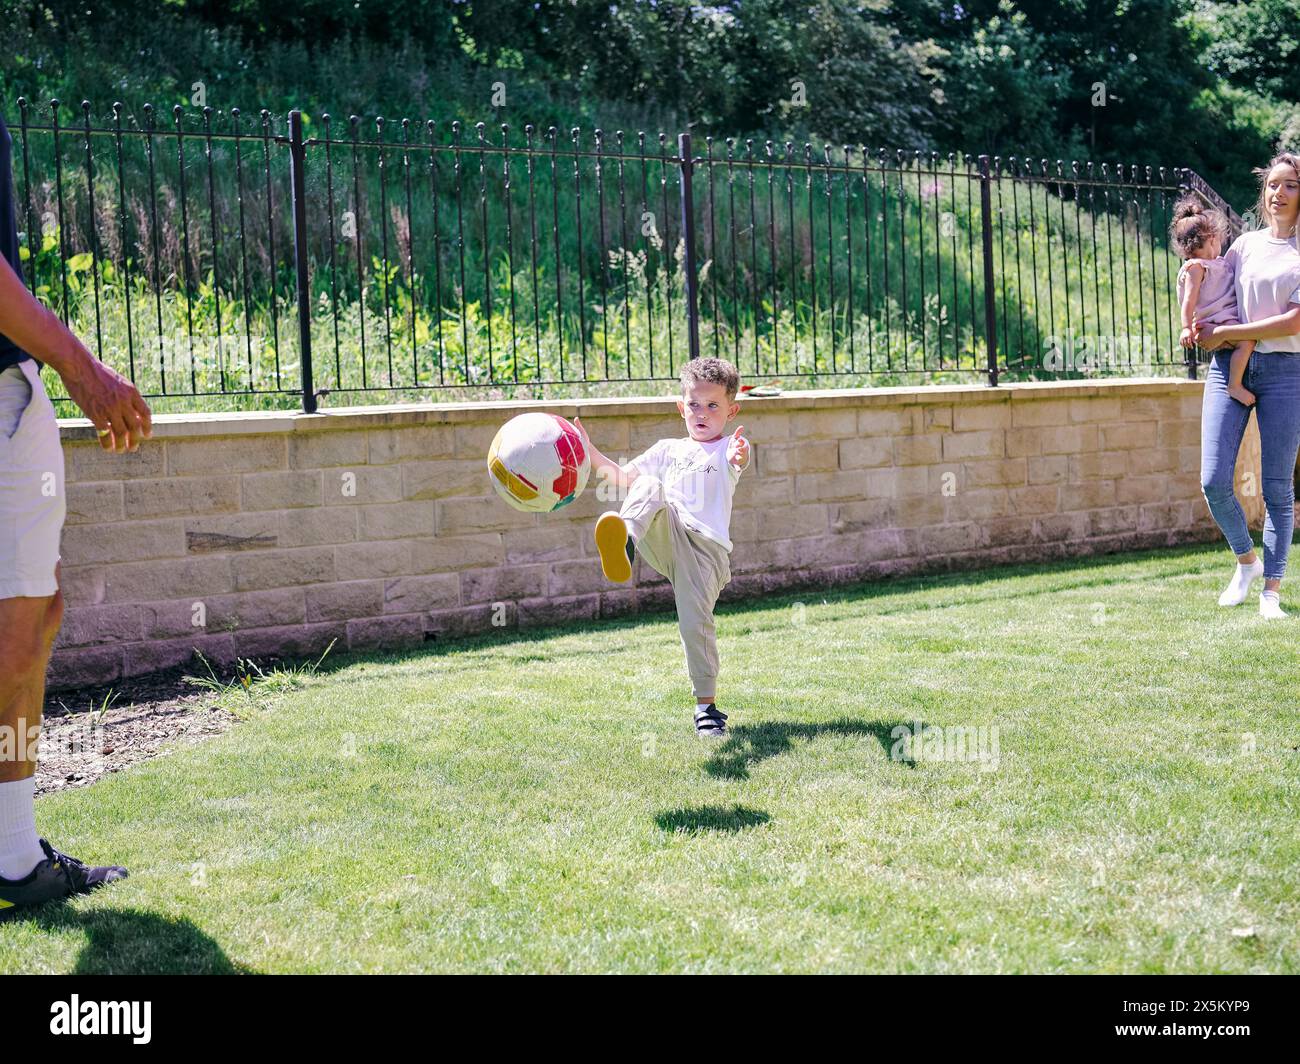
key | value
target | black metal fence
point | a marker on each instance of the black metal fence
(228, 254)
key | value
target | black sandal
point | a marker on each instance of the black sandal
(710, 722)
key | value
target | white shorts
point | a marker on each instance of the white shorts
(33, 503)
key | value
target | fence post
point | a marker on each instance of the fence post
(688, 235)
(298, 181)
(986, 227)
(1210, 196)
(33, 235)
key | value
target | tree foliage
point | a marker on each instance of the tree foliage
(1140, 81)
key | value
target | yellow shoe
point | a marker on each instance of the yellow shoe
(615, 547)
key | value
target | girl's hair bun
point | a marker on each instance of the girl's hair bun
(1193, 223)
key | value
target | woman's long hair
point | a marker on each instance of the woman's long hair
(1282, 158)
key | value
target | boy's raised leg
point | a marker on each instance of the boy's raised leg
(615, 547)
(617, 531)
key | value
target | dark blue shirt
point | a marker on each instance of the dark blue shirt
(10, 353)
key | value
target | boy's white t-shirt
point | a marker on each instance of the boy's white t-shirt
(1267, 271)
(699, 483)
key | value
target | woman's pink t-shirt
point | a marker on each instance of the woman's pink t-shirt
(1267, 272)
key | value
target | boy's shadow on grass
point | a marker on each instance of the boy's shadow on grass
(748, 744)
(691, 821)
(132, 942)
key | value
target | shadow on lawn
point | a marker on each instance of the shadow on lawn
(691, 821)
(131, 942)
(748, 744)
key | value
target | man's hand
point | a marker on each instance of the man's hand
(111, 402)
(738, 449)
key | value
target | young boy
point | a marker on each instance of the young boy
(677, 513)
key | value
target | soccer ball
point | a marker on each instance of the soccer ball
(538, 462)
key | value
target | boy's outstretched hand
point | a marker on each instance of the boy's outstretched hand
(582, 431)
(602, 466)
(738, 449)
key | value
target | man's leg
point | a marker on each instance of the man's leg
(31, 608)
(31, 870)
(32, 509)
(30, 626)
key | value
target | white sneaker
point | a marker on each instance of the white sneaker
(1270, 605)
(1239, 586)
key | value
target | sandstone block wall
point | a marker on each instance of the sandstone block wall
(273, 534)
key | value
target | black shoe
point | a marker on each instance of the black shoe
(58, 876)
(710, 723)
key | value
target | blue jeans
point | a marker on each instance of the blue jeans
(1274, 377)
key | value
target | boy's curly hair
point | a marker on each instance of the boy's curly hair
(1194, 223)
(712, 371)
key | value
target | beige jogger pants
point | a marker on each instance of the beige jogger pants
(698, 568)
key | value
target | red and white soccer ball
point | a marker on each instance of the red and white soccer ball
(538, 463)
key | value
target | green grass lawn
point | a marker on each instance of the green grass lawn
(539, 802)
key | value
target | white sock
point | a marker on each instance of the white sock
(702, 706)
(1239, 586)
(20, 847)
(1270, 604)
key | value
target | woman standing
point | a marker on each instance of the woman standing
(1266, 265)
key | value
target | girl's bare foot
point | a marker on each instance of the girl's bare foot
(1239, 392)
